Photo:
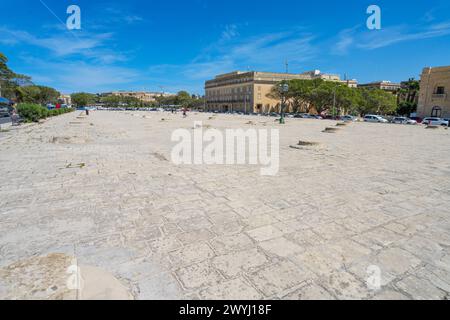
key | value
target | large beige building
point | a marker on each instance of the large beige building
(434, 97)
(248, 91)
(141, 95)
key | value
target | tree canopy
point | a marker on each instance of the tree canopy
(335, 98)
(20, 87)
(37, 94)
(183, 99)
(82, 99)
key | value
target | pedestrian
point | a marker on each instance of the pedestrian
(87, 112)
(14, 117)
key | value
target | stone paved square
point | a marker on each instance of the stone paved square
(101, 193)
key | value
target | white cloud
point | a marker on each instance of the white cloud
(346, 39)
(230, 32)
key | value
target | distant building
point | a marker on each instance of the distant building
(382, 85)
(434, 97)
(248, 91)
(141, 95)
(65, 99)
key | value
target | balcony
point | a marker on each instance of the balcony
(439, 97)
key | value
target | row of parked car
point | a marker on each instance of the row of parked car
(432, 121)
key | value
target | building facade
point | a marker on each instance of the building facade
(434, 97)
(65, 99)
(248, 92)
(382, 85)
(141, 95)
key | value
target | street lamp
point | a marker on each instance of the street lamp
(284, 88)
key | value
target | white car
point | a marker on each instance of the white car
(404, 120)
(375, 119)
(435, 122)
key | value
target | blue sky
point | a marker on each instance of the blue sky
(177, 45)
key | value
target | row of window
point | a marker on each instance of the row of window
(228, 91)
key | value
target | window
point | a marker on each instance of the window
(436, 112)
(440, 90)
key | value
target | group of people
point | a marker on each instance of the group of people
(184, 110)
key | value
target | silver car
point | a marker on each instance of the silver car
(374, 118)
(349, 118)
(404, 120)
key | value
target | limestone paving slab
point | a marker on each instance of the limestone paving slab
(102, 190)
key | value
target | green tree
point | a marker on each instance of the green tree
(333, 97)
(37, 94)
(407, 97)
(9, 80)
(183, 99)
(377, 102)
(5, 72)
(110, 101)
(405, 108)
(82, 99)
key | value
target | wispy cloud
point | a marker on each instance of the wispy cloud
(346, 39)
(65, 44)
(81, 75)
(398, 34)
(388, 36)
(234, 52)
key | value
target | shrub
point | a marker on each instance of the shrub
(31, 112)
(34, 112)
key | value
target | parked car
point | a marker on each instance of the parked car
(349, 118)
(448, 120)
(418, 119)
(4, 114)
(404, 120)
(435, 122)
(314, 116)
(375, 119)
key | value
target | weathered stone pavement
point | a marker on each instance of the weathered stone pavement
(102, 191)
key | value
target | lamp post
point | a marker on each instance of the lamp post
(284, 88)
